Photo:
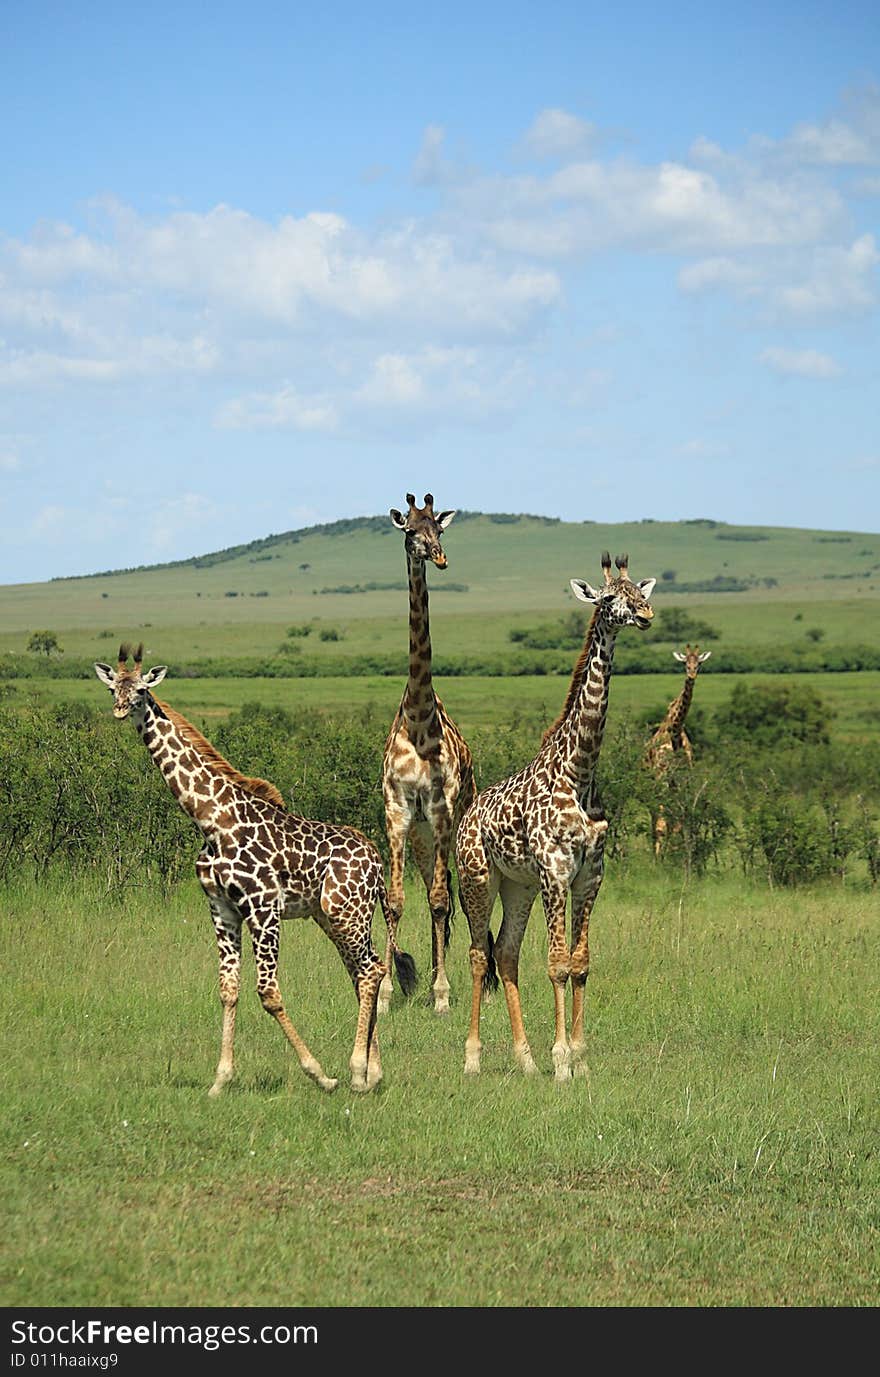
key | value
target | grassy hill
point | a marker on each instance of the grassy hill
(506, 572)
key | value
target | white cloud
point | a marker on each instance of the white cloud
(850, 139)
(281, 410)
(395, 381)
(432, 387)
(195, 278)
(132, 358)
(802, 363)
(833, 143)
(431, 166)
(709, 273)
(671, 207)
(839, 281)
(556, 134)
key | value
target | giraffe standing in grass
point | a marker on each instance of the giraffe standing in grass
(671, 737)
(427, 773)
(260, 864)
(543, 830)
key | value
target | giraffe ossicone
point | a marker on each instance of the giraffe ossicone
(260, 864)
(427, 769)
(543, 831)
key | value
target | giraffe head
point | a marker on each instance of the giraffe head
(422, 529)
(128, 686)
(692, 659)
(620, 602)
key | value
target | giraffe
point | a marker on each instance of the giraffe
(543, 829)
(260, 864)
(671, 736)
(427, 770)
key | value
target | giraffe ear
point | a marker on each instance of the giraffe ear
(705, 655)
(584, 591)
(647, 586)
(444, 519)
(105, 674)
(678, 656)
(154, 676)
(398, 519)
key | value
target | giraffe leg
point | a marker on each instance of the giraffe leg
(583, 897)
(349, 927)
(365, 1063)
(264, 928)
(516, 902)
(660, 830)
(554, 893)
(397, 821)
(435, 873)
(478, 886)
(227, 925)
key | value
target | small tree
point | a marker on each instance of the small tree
(44, 643)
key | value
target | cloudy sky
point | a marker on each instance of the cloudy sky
(269, 264)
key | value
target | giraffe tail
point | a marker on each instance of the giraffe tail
(404, 965)
(490, 979)
(447, 929)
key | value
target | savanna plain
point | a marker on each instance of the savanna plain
(721, 1149)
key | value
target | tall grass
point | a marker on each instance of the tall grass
(722, 1150)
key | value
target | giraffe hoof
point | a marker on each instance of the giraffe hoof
(327, 1083)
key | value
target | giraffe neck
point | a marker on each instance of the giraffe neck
(196, 783)
(578, 736)
(419, 702)
(678, 710)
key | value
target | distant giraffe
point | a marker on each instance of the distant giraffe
(427, 773)
(260, 864)
(671, 736)
(544, 830)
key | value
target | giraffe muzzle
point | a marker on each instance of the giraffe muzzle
(440, 560)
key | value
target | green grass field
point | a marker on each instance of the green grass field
(474, 701)
(722, 1151)
(516, 573)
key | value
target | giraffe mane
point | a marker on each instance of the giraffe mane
(577, 679)
(261, 788)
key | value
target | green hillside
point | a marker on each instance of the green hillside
(506, 573)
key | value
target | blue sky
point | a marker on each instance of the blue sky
(266, 265)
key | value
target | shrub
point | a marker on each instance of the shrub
(764, 714)
(785, 835)
(674, 624)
